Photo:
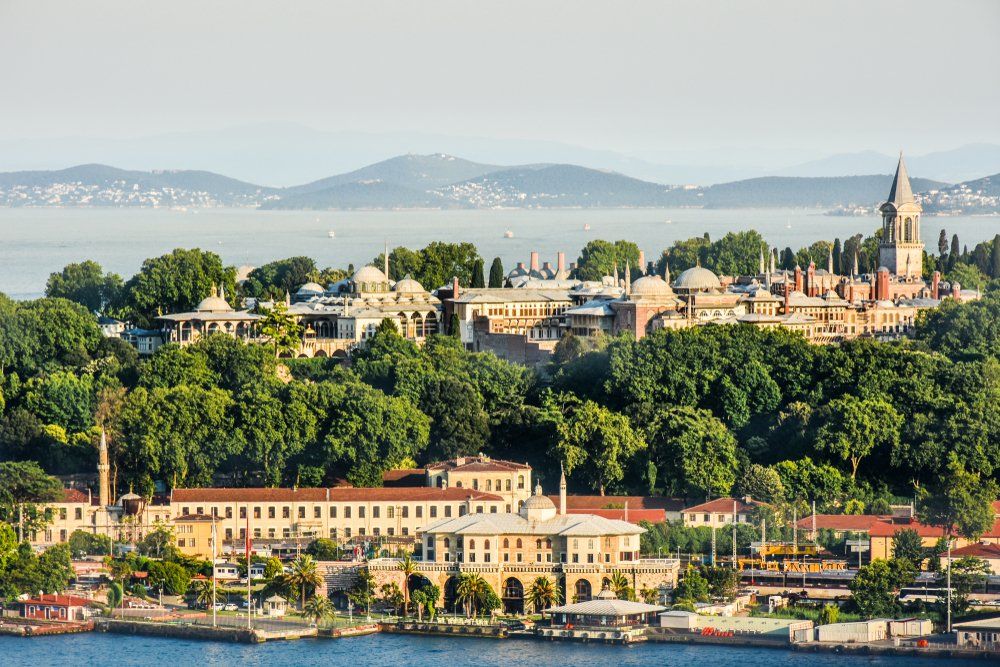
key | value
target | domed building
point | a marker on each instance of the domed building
(213, 314)
(369, 280)
(697, 280)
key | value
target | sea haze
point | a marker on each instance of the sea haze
(36, 242)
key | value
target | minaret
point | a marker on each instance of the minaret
(856, 273)
(760, 264)
(666, 272)
(103, 473)
(829, 262)
(772, 262)
(562, 489)
(628, 279)
(616, 273)
(385, 260)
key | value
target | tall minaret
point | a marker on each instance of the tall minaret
(385, 258)
(103, 473)
(562, 489)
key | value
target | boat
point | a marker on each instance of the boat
(668, 221)
(586, 227)
(331, 234)
(508, 234)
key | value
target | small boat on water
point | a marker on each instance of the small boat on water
(332, 234)
(668, 221)
(586, 227)
(508, 234)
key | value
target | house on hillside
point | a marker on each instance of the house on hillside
(721, 512)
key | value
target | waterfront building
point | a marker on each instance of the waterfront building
(56, 607)
(604, 612)
(984, 633)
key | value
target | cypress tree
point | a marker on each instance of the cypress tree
(496, 273)
(453, 326)
(943, 243)
(955, 253)
(477, 274)
(836, 257)
(995, 263)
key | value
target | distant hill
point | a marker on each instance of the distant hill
(361, 195)
(952, 166)
(978, 197)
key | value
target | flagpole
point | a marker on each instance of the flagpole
(213, 571)
(247, 544)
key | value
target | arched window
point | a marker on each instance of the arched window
(472, 544)
(506, 543)
(489, 485)
(583, 590)
(518, 544)
(486, 544)
(508, 485)
(520, 481)
(447, 543)
(458, 485)
(499, 485)
(548, 544)
(538, 544)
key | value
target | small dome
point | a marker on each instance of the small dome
(311, 288)
(538, 502)
(369, 274)
(409, 286)
(651, 286)
(213, 304)
(697, 279)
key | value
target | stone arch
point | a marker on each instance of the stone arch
(451, 594)
(340, 354)
(417, 581)
(320, 353)
(582, 590)
(513, 596)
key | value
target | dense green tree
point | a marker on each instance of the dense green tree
(962, 330)
(62, 398)
(693, 451)
(838, 254)
(175, 282)
(600, 258)
(968, 575)
(282, 331)
(323, 549)
(875, 588)
(760, 482)
(854, 428)
(478, 279)
(995, 258)
(86, 284)
(459, 422)
(496, 273)
(683, 255)
(967, 275)
(24, 487)
(736, 253)
(83, 543)
(692, 587)
(169, 577)
(908, 545)
(274, 279)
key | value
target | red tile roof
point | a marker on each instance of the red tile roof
(405, 477)
(477, 464)
(725, 505)
(891, 527)
(339, 494)
(192, 518)
(851, 522)
(59, 600)
(74, 496)
(634, 515)
(990, 551)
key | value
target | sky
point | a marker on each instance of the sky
(649, 79)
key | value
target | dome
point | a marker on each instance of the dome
(311, 288)
(214, 303)
(651, 286)
(369, 274)
(538, 507)
(697, 279)
(538, 503)
(409, 286)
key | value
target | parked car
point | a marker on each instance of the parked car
(231, 606)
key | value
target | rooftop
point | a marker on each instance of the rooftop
(339, 494)
(725, 505)
(477, 464)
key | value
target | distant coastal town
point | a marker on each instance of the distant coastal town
(721, 443)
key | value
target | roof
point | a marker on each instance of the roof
(340, 494)
(987, 551)
(74, 496)
(191, 518)
(651, 286)
(697, 278)
(725, 505)
(891, 527)
(598, 307)
(981, 624)
(477, 464)
(852, 522)
(60, 600)
(512, 295)
(617, 503)
(405, 477)
(605, 607)
(369, 274)
(900, 192)
(579, 525)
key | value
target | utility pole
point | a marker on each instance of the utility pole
(213, 571)
(713, 543)
(949, 581)
(734, 534)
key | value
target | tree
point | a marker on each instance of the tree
(736, 253)
(86, 284)
(205, 594)
(600, 258)
(692, 587)
(695, 451)
(323, 548)
(281, 329)
(966, 575)
(542, 594)
(175, 282)
(837, 257)
(967, 275)
(955, 254)
(943, 243)
(274, 279)
(115, 594)
(854, 428)
(169, 577)
(318, 608)
(995, 258)
(723, 582)
(620, 586)
(24, 487)
(496, 273)
(478, 280)
(408, 567)
(82, 543)
(598, 442)
(305, 575)
(908, 545)
(875, 588)
(762, 483)
(828, 615)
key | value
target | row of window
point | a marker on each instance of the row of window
(489, 485)
(317, 512)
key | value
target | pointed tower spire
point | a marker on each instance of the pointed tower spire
(829, 262)
(616, 273)
(562, 489)
(628, 279)
(103, 472)
(222, 292)
(666, 272)
(385, 260)
(772, 253)
(855, 273)
(760, 265)
(288, 299)
(901, 193)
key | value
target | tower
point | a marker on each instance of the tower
(900, 249)
(103, 473)
(562, 490)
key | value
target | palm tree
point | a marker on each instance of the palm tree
(619, 584)
(542, 593)
(408, 567)
(470, 589)
(305, 574)
(318, 608)
(205, 592)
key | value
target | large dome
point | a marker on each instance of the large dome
(369, 274)
(538, 503)
(213, 304)
(697, 279)
(311, 288)
(409, 286)
(651, 286)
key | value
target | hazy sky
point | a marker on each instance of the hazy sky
(637, 77)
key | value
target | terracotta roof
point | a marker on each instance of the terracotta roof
(991, 551)
(890, 528)
(634, 515)
(193, 517)
(340, 494)
(60, 600)
(74, 496)
(477, 464)
(853, 522)
(574, 502)
(725, 505)
(405, 477)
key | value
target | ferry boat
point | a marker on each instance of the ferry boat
(332, 234)
(508, 234)
(586, 227)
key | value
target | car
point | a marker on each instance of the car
(219, 606)
(231, 607)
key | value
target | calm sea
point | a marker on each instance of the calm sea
(36, 242)
(396, 651)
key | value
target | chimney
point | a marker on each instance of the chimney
(534, 260)
(883, 284)
(642, 261)
(626, 510)
(788, 291)
(454, 287)
(799, 283)
(547, 268)
(561, 262)
(562, 490)
(936, 285)
(811, 276)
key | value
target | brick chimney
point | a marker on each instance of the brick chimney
(546, 267)
(788, 291)
(799, 282)
(811, 279)
(642, 262)
(534, 260)
(561, 262)
(882, 283)
(454, 287)
(936, 285)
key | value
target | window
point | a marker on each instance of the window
(576, 558)
(333, 511)
(462, 511)
(406, 512)
(538, 556)
(548, 543)
(507, 485)
(472, 556)
(256, 512)
(498, 483)
(493, 509)
(520, 481)
(590, 558)
(518, 543)
(347, 512)
(479, 509)
(271, 512)
(186, 510)
(62, 535)
(229, 533)
(707, 518)
(78, 513)
(347, 533)
(472, 544)
(361, 511)
(538, 544)
(447, 511)
(243, 512)
(447, 543)
(506, 543)
(376, 531)
(434, 511)
(475, 484)
(286, 512)
(376, 511)
(62, 513)
(406, 531)
(317, 512)
(256, 532)
(506, 558)
(508, 508)
(519, 557)
(229, 512)
(333, 533)
(489, 485)
(201, 510)
(361, 532)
